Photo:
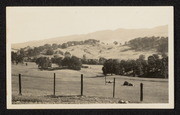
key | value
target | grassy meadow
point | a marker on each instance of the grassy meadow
(37, 86)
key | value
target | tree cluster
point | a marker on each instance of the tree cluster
(50, 48)
(72, 62)
(146, 43)
(43, 62)
(17, 57)
(69, 62)
(153, 67)
(49, 52)
(99, 61)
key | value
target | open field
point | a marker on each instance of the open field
(37, 86)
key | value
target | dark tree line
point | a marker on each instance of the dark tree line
(69, 62)
(17, 57)
(99, 61)
(153, 67)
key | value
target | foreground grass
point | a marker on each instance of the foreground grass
(73, 99)
(37, 85)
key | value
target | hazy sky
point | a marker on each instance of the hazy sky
(36, 23)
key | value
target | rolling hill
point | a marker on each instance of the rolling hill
(107, 36)
(108, 51)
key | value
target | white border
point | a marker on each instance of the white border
(169, 105)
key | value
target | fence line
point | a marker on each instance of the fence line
(20, 93)
(141, 91)
(82, 88)
(114, 88)
(81, 84)
(54, 86)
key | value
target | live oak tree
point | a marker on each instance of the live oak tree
(43, 62)
(72, 62)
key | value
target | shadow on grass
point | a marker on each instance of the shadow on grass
(97, 76)
(59, 96)
(67, 99)
(25, 99)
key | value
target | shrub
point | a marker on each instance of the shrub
(64, 45)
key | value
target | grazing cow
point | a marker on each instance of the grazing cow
(130, 84)
(127, 84)
(109, 82)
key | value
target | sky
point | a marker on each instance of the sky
(37, 23)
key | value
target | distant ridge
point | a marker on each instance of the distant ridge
(107, 36)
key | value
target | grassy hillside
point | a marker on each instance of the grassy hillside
(107, 51)
(95, 51)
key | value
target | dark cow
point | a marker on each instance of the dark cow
(127, 84)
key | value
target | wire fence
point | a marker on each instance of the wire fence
(101, 86)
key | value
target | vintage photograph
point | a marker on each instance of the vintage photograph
(90, 57)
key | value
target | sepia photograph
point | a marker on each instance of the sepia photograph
(90, 57)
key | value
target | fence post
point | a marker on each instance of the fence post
(20, 84)
(141, 92)
(54, 86)
(81, 84)
(114, 88)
